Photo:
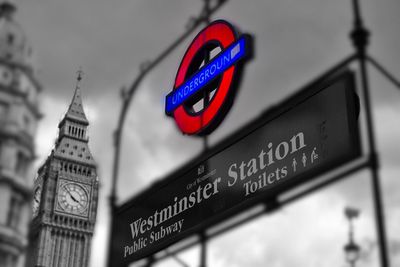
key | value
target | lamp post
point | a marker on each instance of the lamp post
(351, 249)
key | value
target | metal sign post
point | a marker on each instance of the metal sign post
(360, 37)
(127, 95)
(310, 133)
(212, 184)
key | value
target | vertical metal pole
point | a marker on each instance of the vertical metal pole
(360, 41)
(203, 250)
(150, 261)
(113, 198)
(206, 97)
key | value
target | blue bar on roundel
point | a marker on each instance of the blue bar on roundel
(205, 75)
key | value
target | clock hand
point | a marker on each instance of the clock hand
(72, 197)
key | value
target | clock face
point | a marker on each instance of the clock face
(36, 200)
(73, 198)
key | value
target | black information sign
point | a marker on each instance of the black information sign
(310, 133)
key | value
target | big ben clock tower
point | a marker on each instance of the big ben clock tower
(65, 196)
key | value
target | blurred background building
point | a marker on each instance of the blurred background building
(19, 116)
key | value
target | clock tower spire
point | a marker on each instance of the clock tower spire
(75, 111)
(66, 194)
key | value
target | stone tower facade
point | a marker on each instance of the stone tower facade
(65, 196)
(19, 116)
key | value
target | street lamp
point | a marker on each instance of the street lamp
(351, 249)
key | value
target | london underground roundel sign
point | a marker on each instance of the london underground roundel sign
(208, 78)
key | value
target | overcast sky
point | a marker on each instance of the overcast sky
(295, 41)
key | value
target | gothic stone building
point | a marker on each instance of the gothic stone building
(19, 116)
(65, 197)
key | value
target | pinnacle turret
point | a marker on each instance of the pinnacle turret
(75, 110)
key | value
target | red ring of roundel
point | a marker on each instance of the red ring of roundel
(223, 33)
